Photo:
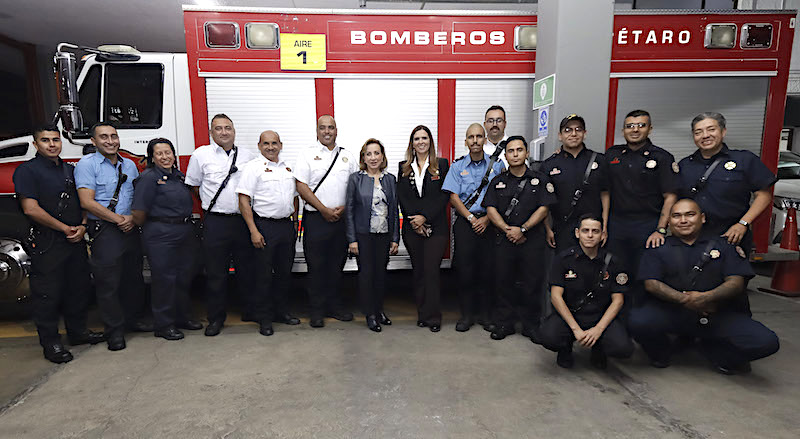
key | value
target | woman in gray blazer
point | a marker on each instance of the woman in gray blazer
(372, 228)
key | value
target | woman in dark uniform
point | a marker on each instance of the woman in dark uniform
(162, 204)
(425, 231)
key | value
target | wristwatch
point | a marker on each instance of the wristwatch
(661, 230)
(523, 229)
(471, 217)
(744, 223)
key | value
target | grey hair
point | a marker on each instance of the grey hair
(709, 115)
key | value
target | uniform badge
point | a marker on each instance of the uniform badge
(550, 188)
(289, 169)
(435, 177)
(570, 275)
(161, 181)
(344, 159)
(741, 252)
(730, 165)
(615, 161)
(267, 170)
(317, 158)
(714, 254)
(650, 164)
(500, 185)
(555, 171)
(464, 172)
(164, 177)
(646, 153)
(534, 181)
(622, 278)
(595, 165)
(675, 168)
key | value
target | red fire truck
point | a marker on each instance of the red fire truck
(380, 73)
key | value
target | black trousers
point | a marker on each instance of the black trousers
(729, 339)
(556, 335)
(565, 234)
(116, 263)
(526, 263)
(426, 260)
(474, 262)
(169, 251)
(60, 285)
(626, 240)
(273, 267)
(373, 255)
(226, 237)
(325, 250)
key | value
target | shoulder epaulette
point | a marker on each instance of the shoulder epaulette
(459, 158)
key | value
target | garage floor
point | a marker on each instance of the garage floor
(344, 381)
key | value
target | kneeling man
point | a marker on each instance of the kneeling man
(586, 289)
(696, 287)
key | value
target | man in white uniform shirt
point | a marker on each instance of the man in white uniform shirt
(213, 173)
(268, 202)
(495, 124)
(321, 172)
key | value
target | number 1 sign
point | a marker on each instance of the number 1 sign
(303, 52)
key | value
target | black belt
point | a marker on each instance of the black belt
(171, 219)
(288, 218)
(221, 214)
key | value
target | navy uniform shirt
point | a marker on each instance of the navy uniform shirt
(162, 193)
(538, 191)
(42, 180)
(725, 197)
(465, 176)
(567, 173)
(672, 264)
(639, 179)
(578, 274)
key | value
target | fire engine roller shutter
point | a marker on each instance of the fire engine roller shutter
(674, 102)
(286, 106)
(475, 96)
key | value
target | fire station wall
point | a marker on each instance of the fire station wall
(474, 96)
(673, 103)
(284, 105)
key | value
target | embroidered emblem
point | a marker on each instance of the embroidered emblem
(615, 161)
(464, 172)
(550, 188)
(317, 158)
(267, 170)
(555, 171)
(622, 278)
(435, 177)
(289, 169)
(534, 181)
(344, 159)
(741, 252)
(730, 165)
(646, 153)
(570, 275)
(714, 254)
(650, 164)
(595, 165)
(605, 276)
(161, 181)
(675, 168)
(500, 185)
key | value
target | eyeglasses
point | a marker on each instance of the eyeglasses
(631, 126)
(570, 130)
(496, 121)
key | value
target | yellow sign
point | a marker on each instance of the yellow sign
(303, 52)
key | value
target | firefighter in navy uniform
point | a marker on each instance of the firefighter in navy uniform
(517, 202)
(162, 205)
(60, 282)
(643, 184)
(473, 242)
(721, 180)
(581, 181)
(696, 287)
(586, 289)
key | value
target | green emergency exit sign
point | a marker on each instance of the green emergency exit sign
(544, 92)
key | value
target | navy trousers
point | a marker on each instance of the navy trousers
(325, 250)
(226, 237)
(169, 251)
(274, 267)
(626, 240)
(474, 262)
(556, 336)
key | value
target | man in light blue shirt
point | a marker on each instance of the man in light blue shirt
(105, 187)
(473, 244)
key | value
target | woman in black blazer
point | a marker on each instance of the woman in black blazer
(425, 231)
(371, 222)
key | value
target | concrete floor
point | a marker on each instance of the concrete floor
(344, 381)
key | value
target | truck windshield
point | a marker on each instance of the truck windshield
(90, 97)
(134, 95)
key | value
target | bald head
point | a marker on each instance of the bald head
(475, 138)
(326, 131)
(269, 143)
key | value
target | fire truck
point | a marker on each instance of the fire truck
(380, 73)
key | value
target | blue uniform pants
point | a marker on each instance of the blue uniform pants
(626, 240)
(474, 262)
(225, 237)
(556, 336)
(729, 339)
(169, 251)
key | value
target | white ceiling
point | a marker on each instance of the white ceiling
(157, 25)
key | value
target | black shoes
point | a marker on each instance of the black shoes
(341, 315)
(372, 323)
(659, 363)
(86, 337)
(463, 325)
(116, 343)
(599, 359)
(214, 328)
(192, 325)
(286, 319)
(501, 332)
(57, 353)
(266, 328)
(435, 328)
(565, 359)
(168, 333)
(487, 324)
(736, 369)
(532, 333)
(383, 319)
(140, 326)
(421, 324)
(317, 322)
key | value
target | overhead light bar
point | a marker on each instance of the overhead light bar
(720, 36)
(525, 37)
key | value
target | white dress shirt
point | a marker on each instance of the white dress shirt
(270, 187)
(419, 174)
(489, 148)
(208, 167)
(311, 166)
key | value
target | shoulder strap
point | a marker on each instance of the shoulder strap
(701, 183)
(485, 180)
(590, 294)
(515, 198)
(576, 197)
(333, 162)
(121, 178)
(69, 188)
(701, 263)
(224, 183)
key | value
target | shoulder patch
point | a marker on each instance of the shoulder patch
(714, 254)
(550, 188)
(622, 279)
(675, 168)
